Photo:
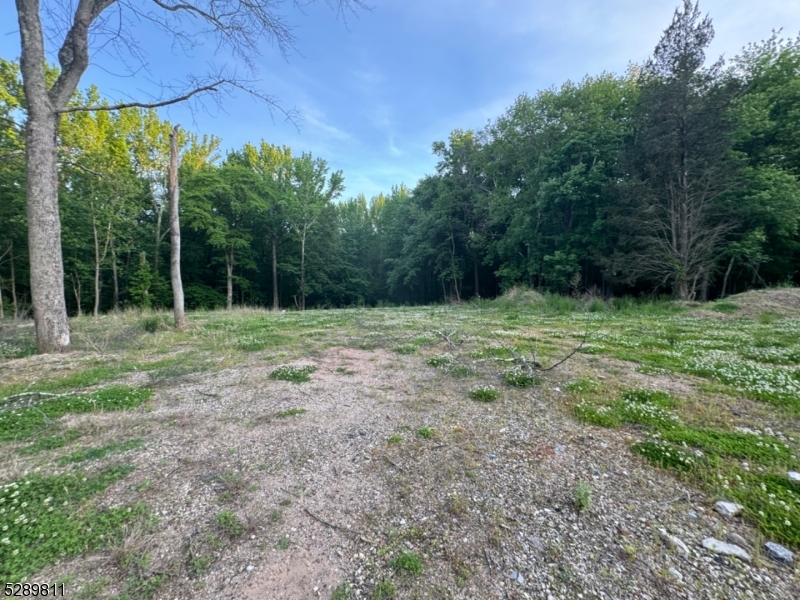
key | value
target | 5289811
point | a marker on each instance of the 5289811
(29, 590)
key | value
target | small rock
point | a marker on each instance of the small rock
(735, 538)
(513, 575)
(675, 543)
(691, 514)
(520, 579)
(675, 573)
(779, 553)
(794, 476)
(726, 549)
(250, 568)
(728, 509)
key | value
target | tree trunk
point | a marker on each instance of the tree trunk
(14, 286)
(275, 301)
(2, 310)
(229, 265)
(44, 225)
(114, 275)
(477, 289)
(159, 212)
(44, 232)
(175, 233)
(76, 288)
(303, 272)
(725, 279)
(96, 270)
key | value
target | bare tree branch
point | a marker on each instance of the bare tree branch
(98, 107)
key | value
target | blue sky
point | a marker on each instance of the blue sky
(375, 92)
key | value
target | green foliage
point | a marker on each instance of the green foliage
(45, 518)
(230, 524)
(102, 452)
(293, 373)
(519, 377)
(582, 496)
(408, 562)
(426, 433)
(291, 412)
(486, 393)
(341, 592)
(395, 439)
(24, 423)
(385, 590)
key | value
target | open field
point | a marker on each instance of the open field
(407, 452)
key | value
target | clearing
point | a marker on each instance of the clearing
(407, 452)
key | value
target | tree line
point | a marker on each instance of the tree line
(676, 177)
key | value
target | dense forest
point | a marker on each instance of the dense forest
(679, 177)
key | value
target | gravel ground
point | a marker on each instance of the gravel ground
(487, 502)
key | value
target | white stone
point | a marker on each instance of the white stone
(674, 542)
(728, 509)
(794, 476)
(727, 549)
(675, 573)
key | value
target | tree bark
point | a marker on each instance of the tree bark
(303, 272)
(96, 270)
(229, 265)
(14, 285)
(725, 279)
(114, 275)
(477, 289)
(275, 300)
(44, 226)
(175, 233)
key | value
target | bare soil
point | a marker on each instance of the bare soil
(326, 500)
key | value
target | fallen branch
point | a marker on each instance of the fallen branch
(351, 533)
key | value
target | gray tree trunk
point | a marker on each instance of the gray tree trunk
(175, 233)
(44, 225)
(275, 301)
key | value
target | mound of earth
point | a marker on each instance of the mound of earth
(784, 302)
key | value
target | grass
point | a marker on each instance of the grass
(385, 590)
(724, 366)
(485, 393)
(26, 422)
(99, 453)
(293, 373)
(407, 562)
(229, 524)
(426, 433)
(582, 496)
(291, 412)
(44, 518)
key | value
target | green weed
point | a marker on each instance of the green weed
(26, 422)
(102, 452)
(291, 412)
(385, 590)
(486, 393)
(408, 562)
(230, 524)
(44, 518)
(293, 373)
(582, 496)
(426, 433)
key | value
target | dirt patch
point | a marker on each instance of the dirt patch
(320, 498)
